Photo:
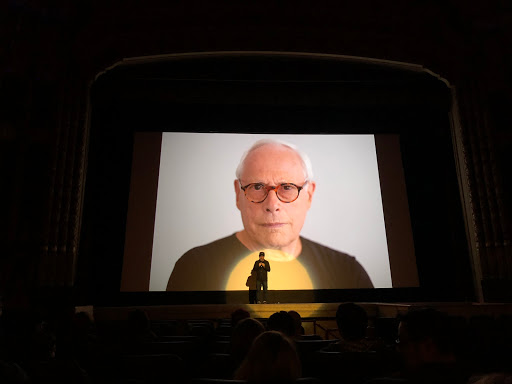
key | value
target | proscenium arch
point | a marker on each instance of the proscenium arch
(462, 171)
(269, 54)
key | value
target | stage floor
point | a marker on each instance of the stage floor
(306, 310)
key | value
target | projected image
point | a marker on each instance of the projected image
(310, 203)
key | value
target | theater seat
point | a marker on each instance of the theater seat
(349, 367)
(217, 366)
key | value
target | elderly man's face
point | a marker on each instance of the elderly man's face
(272, 223)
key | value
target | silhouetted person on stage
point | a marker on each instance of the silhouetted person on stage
(251, 283)
(261, 267)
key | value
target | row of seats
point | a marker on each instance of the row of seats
(177, 351)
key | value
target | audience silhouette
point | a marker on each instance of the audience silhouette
(271, 359)
(244, 333)
(434, 348)
(297, 324)
(352, 322)
(283, 322)
(426, 345)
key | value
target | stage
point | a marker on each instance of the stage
(319, 311)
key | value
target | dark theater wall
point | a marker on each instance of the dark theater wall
(51, 54)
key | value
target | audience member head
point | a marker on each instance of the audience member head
(43, 346)
(242, 337)
(82, 323)
(352, 321)
(139, 320)
(139, 326)
(271, 359)
(283, 322)
(425, 337)
(297, 323)
(238, 315)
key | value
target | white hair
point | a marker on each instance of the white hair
(306, 162)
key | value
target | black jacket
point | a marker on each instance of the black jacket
(260, 270)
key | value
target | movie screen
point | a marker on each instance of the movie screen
(328, 211)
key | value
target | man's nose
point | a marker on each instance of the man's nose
(272, 203)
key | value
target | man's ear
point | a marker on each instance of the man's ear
(237, 193)
(311, 187)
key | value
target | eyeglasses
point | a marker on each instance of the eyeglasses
(258, 192)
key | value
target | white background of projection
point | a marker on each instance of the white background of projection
(196, 198)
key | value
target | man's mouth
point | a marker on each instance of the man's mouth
(273, 225)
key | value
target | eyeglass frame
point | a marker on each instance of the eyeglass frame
(271, 188)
